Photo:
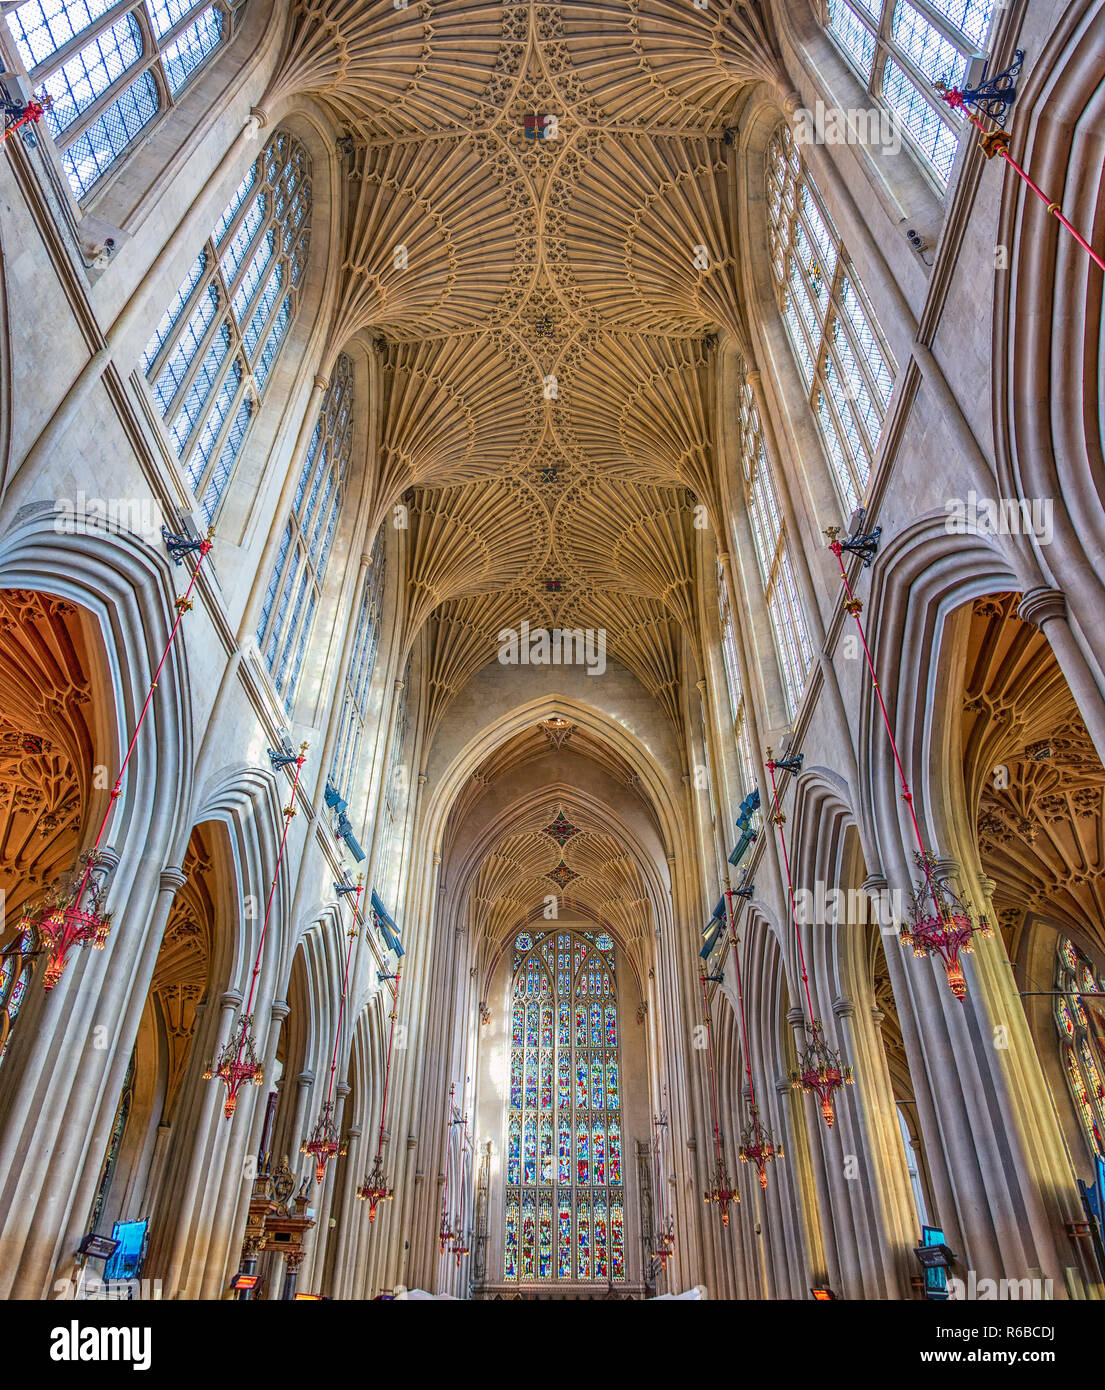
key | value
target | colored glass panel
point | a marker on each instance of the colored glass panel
(563, 1122)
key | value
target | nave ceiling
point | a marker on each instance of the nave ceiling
(547, 339)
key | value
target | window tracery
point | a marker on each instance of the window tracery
(110, 75)
(211, 356)
(294, 591)
(1081, 1028)
(844, 362)
(564, 1215)
(900, 48)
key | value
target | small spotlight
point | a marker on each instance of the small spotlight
(823, 1294)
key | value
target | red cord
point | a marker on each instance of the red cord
(740, 999)
(777, 817)
(710, 1053)
(181, 607)
(907, 795)
(341, 1006)
(387, 1063)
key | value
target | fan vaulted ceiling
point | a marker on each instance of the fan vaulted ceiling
(546, 326)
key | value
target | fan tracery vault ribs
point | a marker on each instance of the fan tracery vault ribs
(547, 309)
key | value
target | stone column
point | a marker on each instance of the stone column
(1047, 609)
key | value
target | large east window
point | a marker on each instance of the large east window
(845, 364)
(211, 356)
(900, 48)
(295, 589)
(111, 70)
(564, 1210)
(788, 620)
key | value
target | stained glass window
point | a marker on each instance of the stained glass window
(565, 1203)
(900, 48)
(212, 354)
(358, 678)
(845, 364)
(1080, 1022)
(295, 588)
(111, 75)
(788, 620)
(15, 972)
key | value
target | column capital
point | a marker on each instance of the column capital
(343, 1089)
(231, 999)
(795, 1017)
(306, 1078)
(878, 1017)
(281, 1009)
(322, 382)
(172, 879)
(844, 1007)
(1040, 606)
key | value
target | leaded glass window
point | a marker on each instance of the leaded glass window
(16, 964)
(564, 1217)
(843, 359)
(395, 789)
(358, 678)
(900, 48)
(1080, 1022)
(788, 620)
(111, 69)
(738, 710)
(295, 589)
(211, 356)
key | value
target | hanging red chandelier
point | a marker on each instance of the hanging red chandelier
(723, 1192)
(238, 1061)
(940, 922)
(374, 1189)
(73, 911)
(459, 1246)
(323, 1143)
(756, 1143)
(820, 1070)
(664, 1241)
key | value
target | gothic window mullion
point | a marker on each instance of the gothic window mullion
(199, 351)
(91, 113)
(59, 56)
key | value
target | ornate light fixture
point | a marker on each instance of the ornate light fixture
(756, 1143)
(374, 1189)
(940, 923)
(72, 914)
(723, 1191)
(323, 1144)
(238, 1060)
(236, 1064)
(821, 1069)
(664, 1241)
(993, 96)
(451, 1236)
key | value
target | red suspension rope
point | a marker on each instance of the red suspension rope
(778, 817)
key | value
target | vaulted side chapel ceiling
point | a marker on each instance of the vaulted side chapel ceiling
(546, 316)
